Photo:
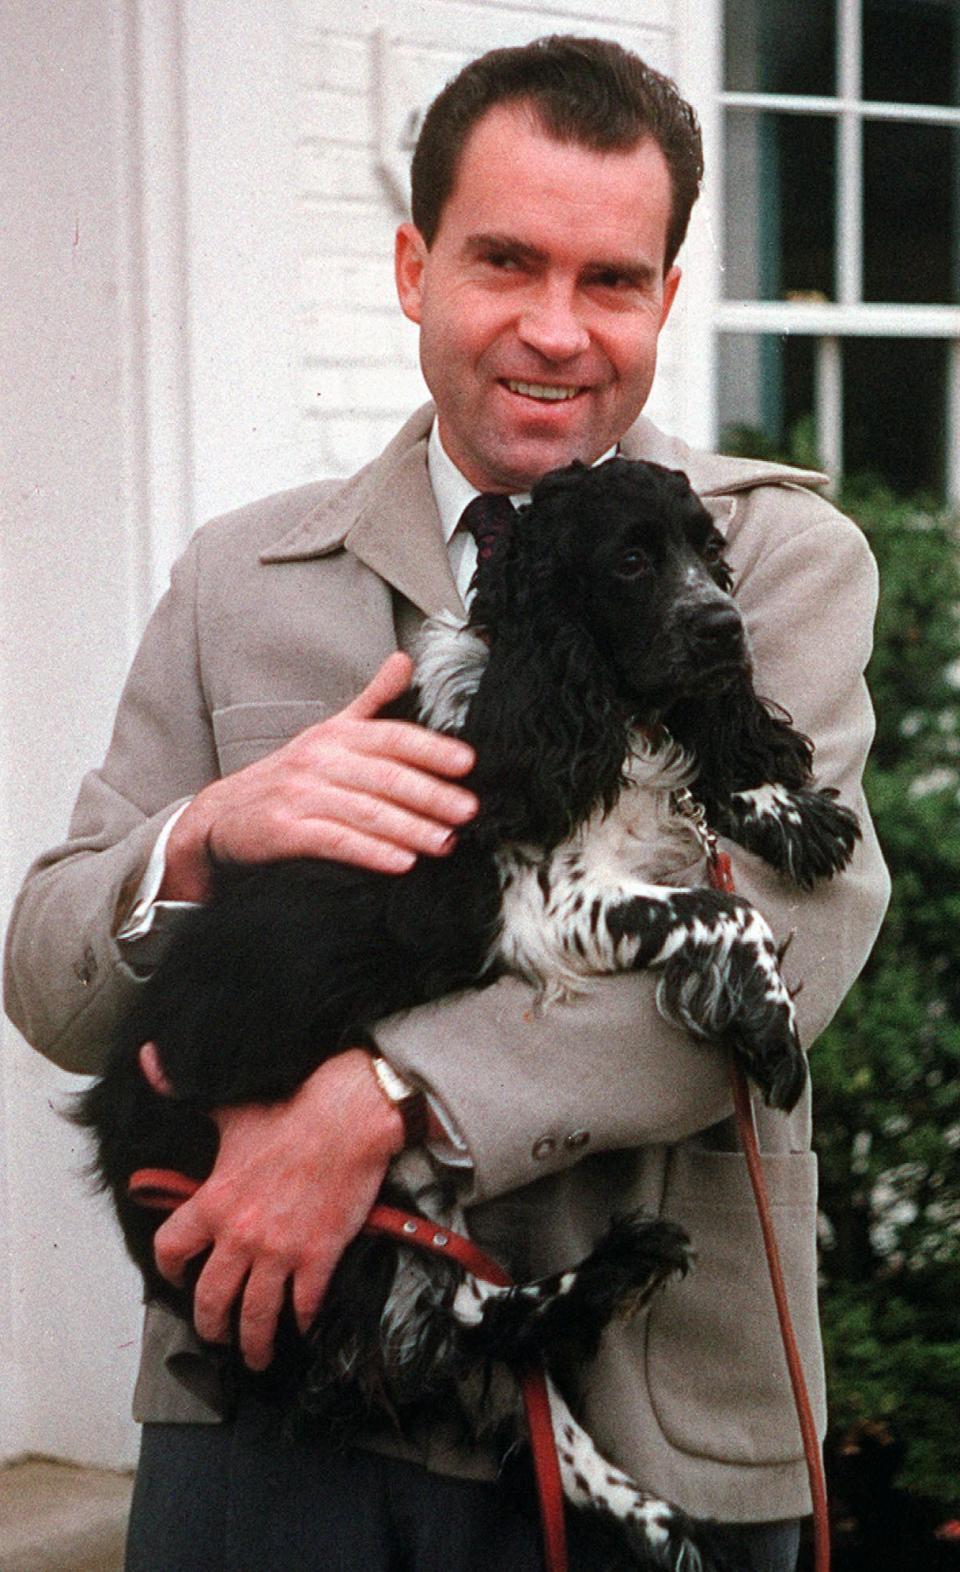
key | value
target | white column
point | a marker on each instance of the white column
(700, 78)
(156, 351)
(149, 152)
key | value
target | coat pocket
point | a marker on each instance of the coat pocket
(246, 732)
(716, 1366)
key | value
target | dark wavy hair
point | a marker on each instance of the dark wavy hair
(585, 90)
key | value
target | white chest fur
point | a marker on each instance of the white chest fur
(552, 930)
(552, 903)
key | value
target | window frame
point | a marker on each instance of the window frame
(829, 322)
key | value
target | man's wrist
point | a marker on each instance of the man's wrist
(186, 872)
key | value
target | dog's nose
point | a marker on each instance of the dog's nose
(717, 629)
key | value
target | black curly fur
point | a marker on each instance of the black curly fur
(606, 609)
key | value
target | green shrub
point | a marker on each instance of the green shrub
(887, 1071)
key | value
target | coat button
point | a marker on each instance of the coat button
(577, 1140)
(545, 1147)
(85, 970)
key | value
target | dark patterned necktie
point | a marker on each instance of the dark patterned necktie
(488, 517)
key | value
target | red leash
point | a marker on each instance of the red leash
(720, 875)
(164, 1189)
(533, 1382)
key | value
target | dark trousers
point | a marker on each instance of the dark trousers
(238, 1498)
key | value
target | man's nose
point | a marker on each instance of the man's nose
(552, 324)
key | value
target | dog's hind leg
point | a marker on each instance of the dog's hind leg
(562, 1317)
(615, 1523)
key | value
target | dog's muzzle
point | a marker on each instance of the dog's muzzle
(716, 634)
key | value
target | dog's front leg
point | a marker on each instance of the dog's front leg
(803, 832)
(721, 978)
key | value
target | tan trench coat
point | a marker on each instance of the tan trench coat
(277, 616)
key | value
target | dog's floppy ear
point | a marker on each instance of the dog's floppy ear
(549, 734)
(740, 742)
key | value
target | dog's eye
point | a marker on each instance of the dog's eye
(633, 562)
(712, 550)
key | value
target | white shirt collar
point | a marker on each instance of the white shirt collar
(451, 489)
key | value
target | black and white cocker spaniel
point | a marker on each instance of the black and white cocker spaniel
(603, 667)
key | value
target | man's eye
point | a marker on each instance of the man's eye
(618, 282)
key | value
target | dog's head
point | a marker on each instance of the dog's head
(605, 606)
(627, 554)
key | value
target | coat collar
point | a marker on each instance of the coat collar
(387, 517)
(713, 474)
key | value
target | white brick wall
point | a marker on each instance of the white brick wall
(360, 376)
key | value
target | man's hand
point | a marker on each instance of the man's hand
(293, 1183)
(354, 788)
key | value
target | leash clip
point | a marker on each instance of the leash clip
(719, 871)
(688, 807)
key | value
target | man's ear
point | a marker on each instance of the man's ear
(409, 260)
(671, 283)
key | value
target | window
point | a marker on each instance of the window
(840, 299)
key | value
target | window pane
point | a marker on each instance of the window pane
(911, 199)
(765, 392)
(894, 394)
(894, 398)
(779, 208)
(779, 46)
(911, 51)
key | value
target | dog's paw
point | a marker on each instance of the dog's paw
(617, 1527)
(805, 833)
(725, 985)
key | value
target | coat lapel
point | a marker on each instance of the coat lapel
(398, 535)
(387, 518)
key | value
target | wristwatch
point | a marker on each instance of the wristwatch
(409, 1101)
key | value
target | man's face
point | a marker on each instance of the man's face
(541, 298)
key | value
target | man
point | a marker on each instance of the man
(551, 191)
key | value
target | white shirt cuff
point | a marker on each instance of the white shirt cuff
(452, 1151)
(143, 934)
(145, 909)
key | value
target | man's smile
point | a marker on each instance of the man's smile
(550, 392)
